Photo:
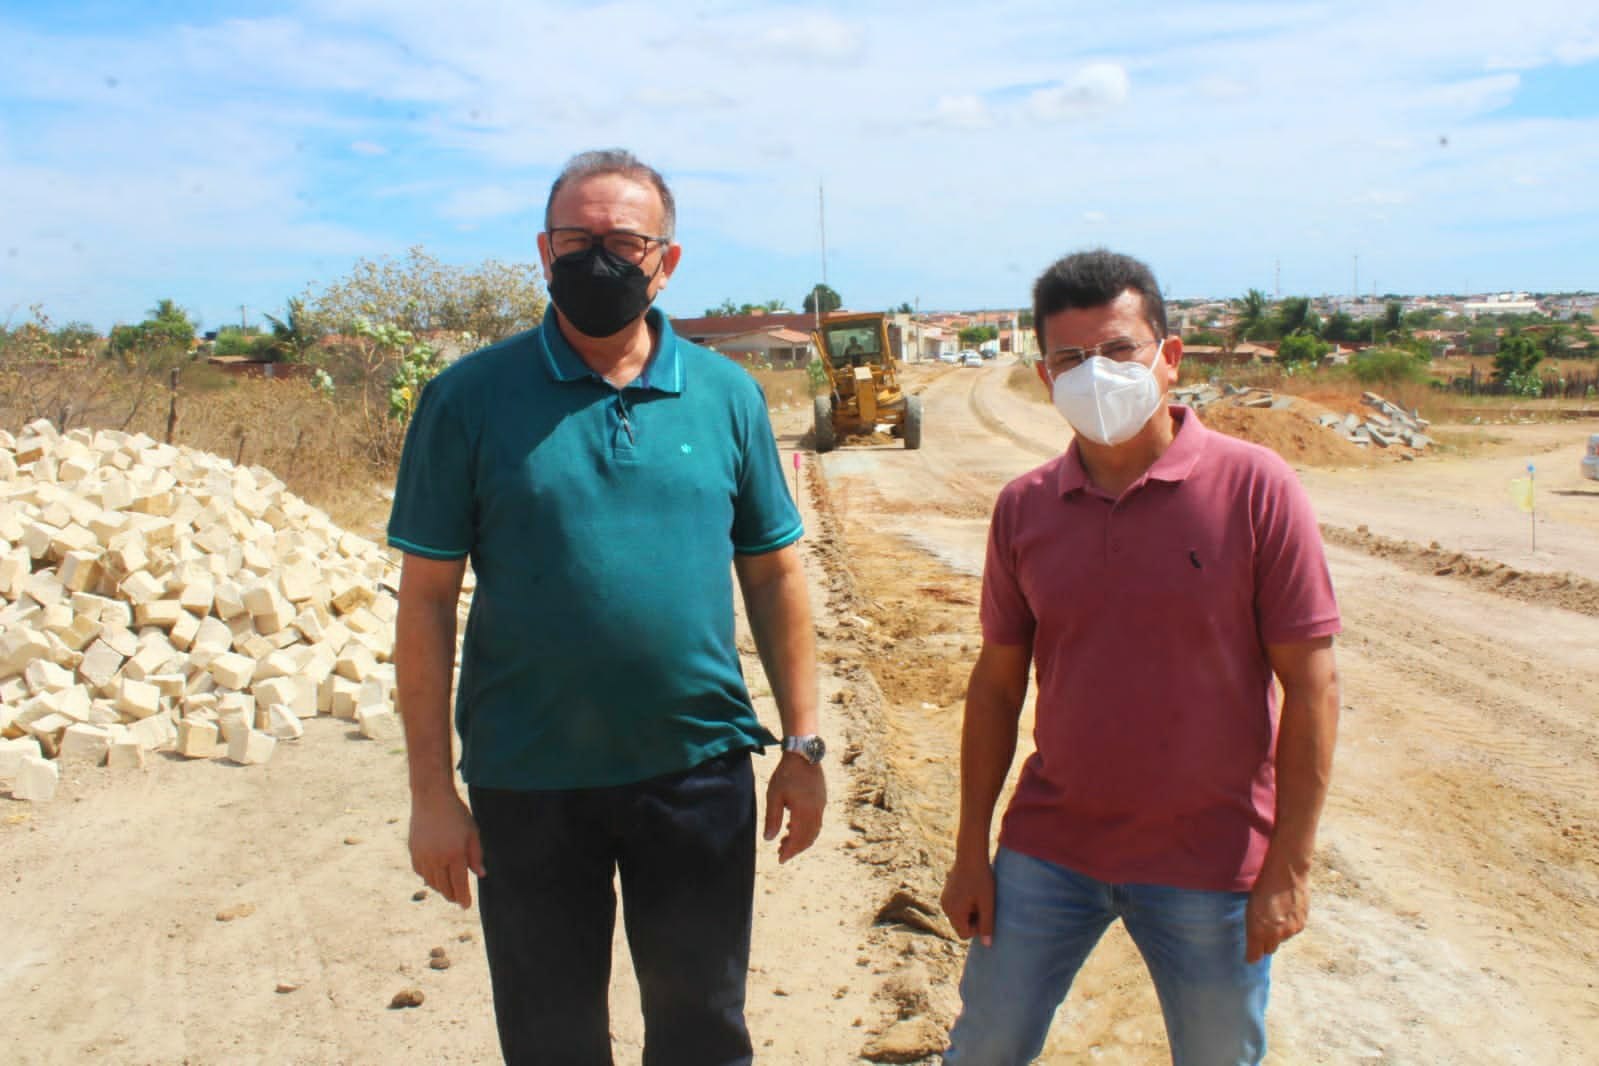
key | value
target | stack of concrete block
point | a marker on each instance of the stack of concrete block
(1387, 426)
(159, 598)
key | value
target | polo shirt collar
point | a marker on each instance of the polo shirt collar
(663, 373)
(1174, 464)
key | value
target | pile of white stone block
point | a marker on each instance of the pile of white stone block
(156, 598)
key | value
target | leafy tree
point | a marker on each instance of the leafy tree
(1293, 315)
(294, 335)
(825, 296)
(1518, 358)
(1301, 349)
(1206, 338)
(905, 309)
(1557, 341)
(1250, 315)
(1393, 317)
(1340, 326)
(420, 294)
(161, 338)
(972, 336)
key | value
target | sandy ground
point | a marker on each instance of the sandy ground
(202, 912)
(153, 917)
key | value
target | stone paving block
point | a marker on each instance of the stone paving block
(283, 723)
(36, 780)
(378, 723)
(138, 699)
(126, 754)
(251, 748)
(85, 743)
(197, 738)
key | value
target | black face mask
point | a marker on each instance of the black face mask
(598, 291)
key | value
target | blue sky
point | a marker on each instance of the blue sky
(228, 155)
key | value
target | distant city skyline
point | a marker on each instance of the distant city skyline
(219, 160)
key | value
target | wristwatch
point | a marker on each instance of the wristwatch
(810, 745)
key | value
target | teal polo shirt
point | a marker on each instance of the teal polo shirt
(601, 524)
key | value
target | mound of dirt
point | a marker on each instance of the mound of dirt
(1567, 591)
(1292, 433)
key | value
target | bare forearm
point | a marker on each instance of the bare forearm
(780, 618)
(988, 746)
(1305, 741)
(424, 660)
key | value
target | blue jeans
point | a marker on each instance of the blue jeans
(685, 847)
(1047, 920)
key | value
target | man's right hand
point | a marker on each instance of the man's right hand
(968, 898)
(445, 845)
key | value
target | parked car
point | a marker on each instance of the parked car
(949, 357)
(971, 359)
(1590, 461)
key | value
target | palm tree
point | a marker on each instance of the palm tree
(292, 335)
(1250, 316)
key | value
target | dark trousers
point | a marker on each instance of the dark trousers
(685, 847)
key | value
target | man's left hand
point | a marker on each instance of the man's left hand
(798, 787)
(1279, 905)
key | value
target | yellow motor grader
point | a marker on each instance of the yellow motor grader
(863, 390)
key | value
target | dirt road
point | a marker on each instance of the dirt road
(203, 912)
(1458, 899)
(207, 913)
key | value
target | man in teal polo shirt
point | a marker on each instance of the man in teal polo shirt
(606, 480)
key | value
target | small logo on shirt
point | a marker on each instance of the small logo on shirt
(687, 448)
(1193, 557)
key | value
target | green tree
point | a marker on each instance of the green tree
(1393, 317)
(1293, 315)
(905, 309)
(161, 338)
(1517, 360)
(972, 336)
(1301, 350)
(825, 296)
(1249, 315)
(294, 336)
(1557, 341)
(1340, 326)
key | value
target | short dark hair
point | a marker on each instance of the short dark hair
(586, 165)
(1093, 279)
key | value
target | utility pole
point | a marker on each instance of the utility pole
(1354, 291)
(821, 218)
(1277, 279)
(244, 325)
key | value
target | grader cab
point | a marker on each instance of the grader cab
(863, 389)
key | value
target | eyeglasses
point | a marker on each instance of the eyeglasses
(565, 240)
(1117, 349)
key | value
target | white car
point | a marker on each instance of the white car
(1590, 461)
(949, 357)
(972, 359)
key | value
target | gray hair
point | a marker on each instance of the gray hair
(593, 164)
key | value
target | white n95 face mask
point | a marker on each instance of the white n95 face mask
(1107, 401)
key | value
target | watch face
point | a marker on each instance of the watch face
(814, 748)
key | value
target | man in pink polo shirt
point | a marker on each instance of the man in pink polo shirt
(1159, 575)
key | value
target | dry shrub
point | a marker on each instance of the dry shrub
(322, 451)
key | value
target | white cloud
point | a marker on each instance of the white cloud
(1095, 88)
(368, 148)
(966, 112)
(813, 38)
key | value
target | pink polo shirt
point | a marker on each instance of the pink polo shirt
(1149, 618)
